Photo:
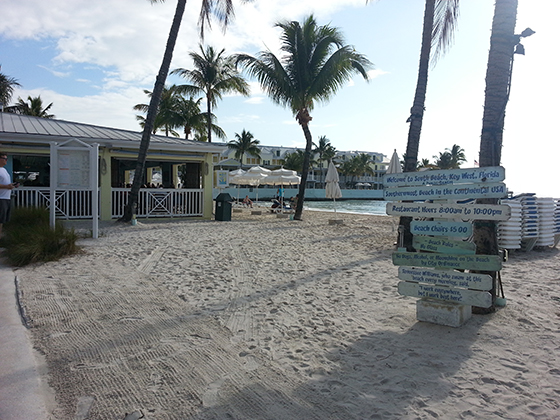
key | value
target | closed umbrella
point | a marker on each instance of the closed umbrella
(394, 164)
(332, 189)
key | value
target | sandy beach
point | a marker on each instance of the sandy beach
(268, 318)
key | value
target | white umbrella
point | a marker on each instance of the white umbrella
(282, 177)
(253, 179)
(394, 164)
(332, 189)
(233, 179)
(259, 170)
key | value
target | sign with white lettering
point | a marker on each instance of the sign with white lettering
(443, 245)
(433, 192)
(450, 211)
(430, 227)
(448, 176)
(449, 278)
(462, 296)
(457, 262)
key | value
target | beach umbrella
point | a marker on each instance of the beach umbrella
(233, 178)
(332, 189)
(282, 177)
(259, 170)
(394, 164)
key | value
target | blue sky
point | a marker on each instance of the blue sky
(93, 60)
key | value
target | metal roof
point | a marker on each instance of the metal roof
(15, 127)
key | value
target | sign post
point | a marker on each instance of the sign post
(436, 274)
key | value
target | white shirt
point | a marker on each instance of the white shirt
(5, 179)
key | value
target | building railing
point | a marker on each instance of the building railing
(159, 202)
(77, 204)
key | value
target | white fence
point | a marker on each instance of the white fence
(77, 204)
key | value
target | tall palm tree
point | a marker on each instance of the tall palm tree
(223, 10)
(498, 79)
(33, 107)
(7, 86)
(440, 19)
(214, 74)
(325, 150)
(245, 143)
(315, 64)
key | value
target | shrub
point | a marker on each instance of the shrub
(28, 237)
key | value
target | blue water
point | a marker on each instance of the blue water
(349, 206)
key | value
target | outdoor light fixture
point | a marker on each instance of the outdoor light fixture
(519, 48)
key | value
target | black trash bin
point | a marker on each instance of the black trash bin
(223, 207)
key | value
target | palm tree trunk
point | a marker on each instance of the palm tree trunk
(209, 119)
(130, 208)
(498, 78)
(304, 170)
(417, 110)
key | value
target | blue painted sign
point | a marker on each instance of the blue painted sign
(448, 176)
(434, 192)
(436, 228)
(443, 245)
(449, 261)
(449, 278)
(450, 211)
(449, 294)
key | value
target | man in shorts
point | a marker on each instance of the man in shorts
(6, 187)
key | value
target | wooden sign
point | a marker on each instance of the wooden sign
(445, 246)
(462, 296)
(450, 211)
(449, 261)
(430, 227)
(459, 192)
(448, 176)
(449, 278)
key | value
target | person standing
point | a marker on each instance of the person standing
(6, 187)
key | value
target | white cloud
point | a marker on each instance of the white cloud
(255, 100)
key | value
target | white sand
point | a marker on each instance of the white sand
(266, 318)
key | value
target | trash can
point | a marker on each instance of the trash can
(223, 207)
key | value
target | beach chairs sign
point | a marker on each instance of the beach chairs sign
(432, 272)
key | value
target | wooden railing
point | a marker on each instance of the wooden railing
(152, 202)
(159, 202)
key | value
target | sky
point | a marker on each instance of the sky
(93, 60)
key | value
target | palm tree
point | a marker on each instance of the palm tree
(444, 160)
(325, 150)
(245, 143)
(440, 19)
(7, 85)
(214, 74)
(457, 156)
(33, 107)
(222, 9)
(315, 64)
(167, 117)
(425, 163)
(193, 121)
(498, 79)
(294, 160)
(450, 158)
